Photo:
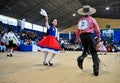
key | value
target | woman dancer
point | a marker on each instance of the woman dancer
(50, 42)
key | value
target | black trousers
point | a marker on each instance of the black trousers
(88, 43)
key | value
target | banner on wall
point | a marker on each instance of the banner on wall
(69, 35)
(22, 23)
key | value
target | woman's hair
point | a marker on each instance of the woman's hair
(52, 21)
(10, 29)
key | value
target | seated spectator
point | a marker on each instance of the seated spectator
(2, 47)
(114, 48)
(101, 48)
(29, 42)
(62, 45)
(109, 49)
(25, 42)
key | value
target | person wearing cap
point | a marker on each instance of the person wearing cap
(84, 33)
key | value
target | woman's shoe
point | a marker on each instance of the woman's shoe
(11, 55)
(45, 64)
(51, 64)
(7, 55)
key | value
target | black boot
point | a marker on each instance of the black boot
(96, 62)
(80, 62)
(96, 71)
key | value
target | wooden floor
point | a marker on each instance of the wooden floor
(27, 67)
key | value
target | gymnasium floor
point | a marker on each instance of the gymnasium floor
(27, 67)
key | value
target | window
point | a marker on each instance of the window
(3, 19)
(28, 25)
(12, 21)
(8, 20)
(37, 27)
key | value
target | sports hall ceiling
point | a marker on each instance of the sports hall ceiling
(62, 10)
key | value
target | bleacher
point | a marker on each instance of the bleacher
(64, 36)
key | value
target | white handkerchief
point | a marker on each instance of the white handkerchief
(43, 12)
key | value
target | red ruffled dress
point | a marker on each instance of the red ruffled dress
(50, 42)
